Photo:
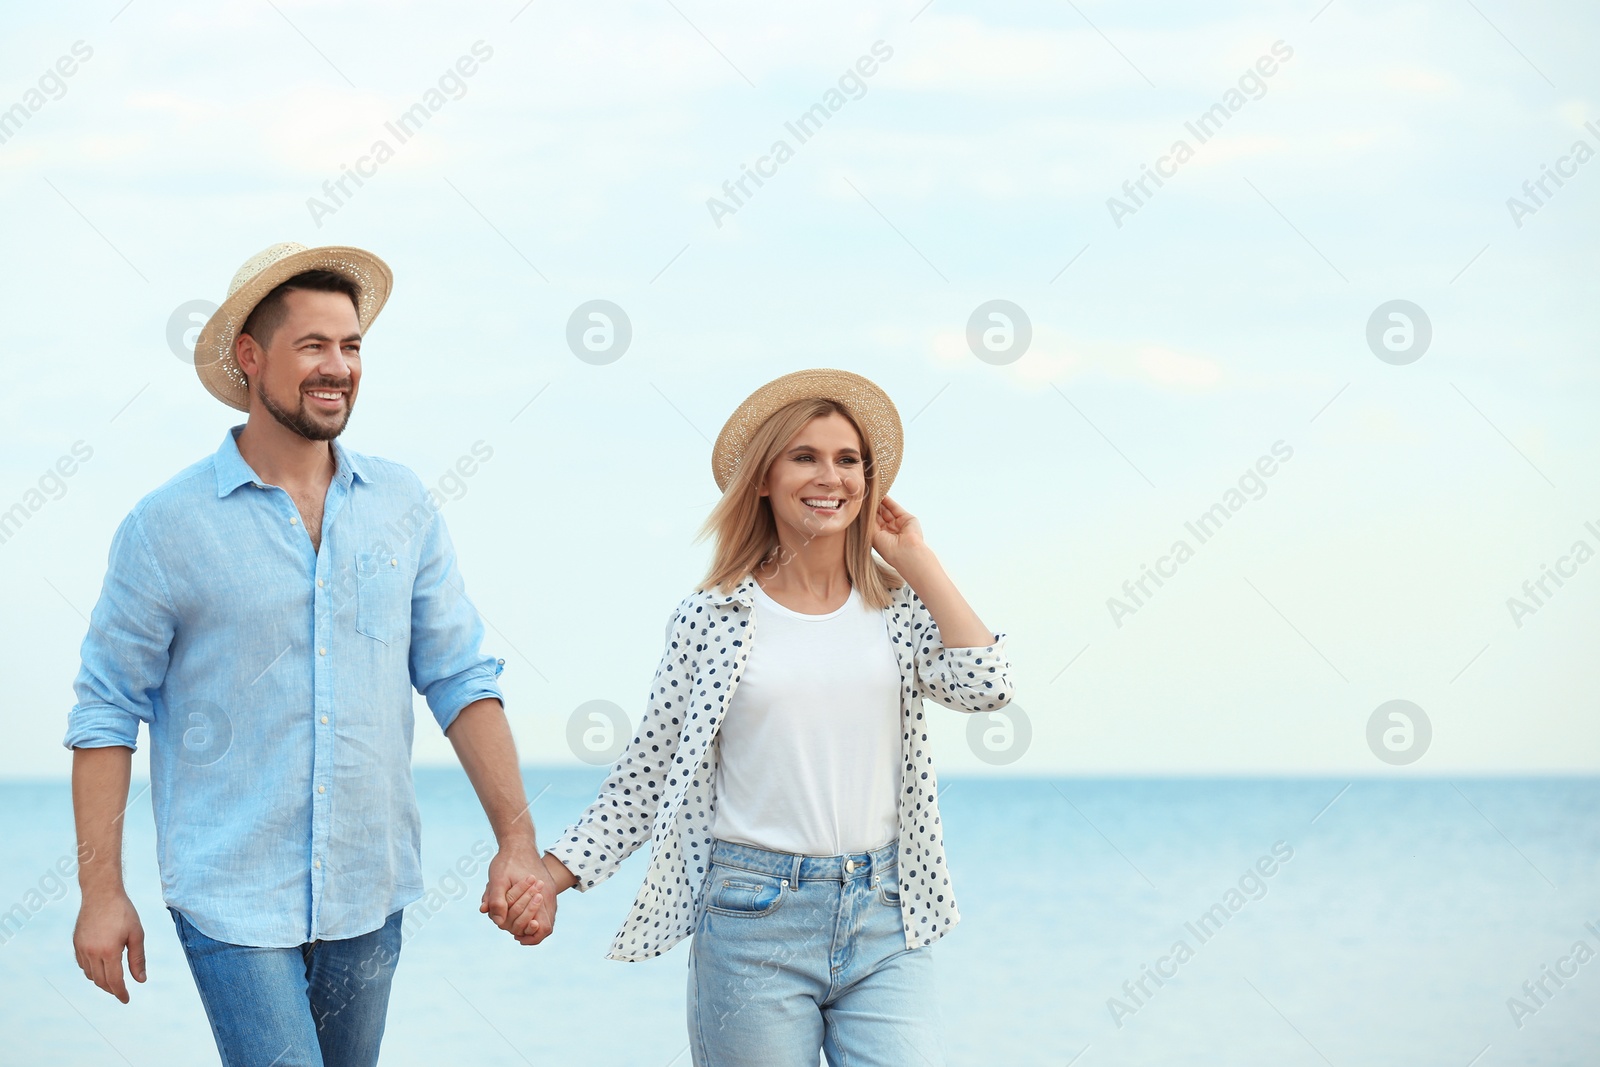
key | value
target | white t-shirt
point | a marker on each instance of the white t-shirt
(810, 746)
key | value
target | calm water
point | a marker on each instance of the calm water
(1403, 918)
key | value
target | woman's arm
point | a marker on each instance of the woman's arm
(960, 662)
(623, 813)
(957, 622)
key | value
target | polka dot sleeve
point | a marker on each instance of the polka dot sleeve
(971, 679)
(621, 817)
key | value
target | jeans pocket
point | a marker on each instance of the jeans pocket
(383, 596)
(889, 887)
(739, 892)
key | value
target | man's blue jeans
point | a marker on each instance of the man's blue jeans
(321, 1004)
(796, 954)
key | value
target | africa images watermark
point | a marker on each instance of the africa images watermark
(1136, 591)
(340, 990)
(52, 886)
(415, 521)
(802, 129)
(51, 85)
(1566, 167)
(52, 485)
(1203, 128)
(597, 732)
(1536, 592)
(1529, 1004)
(1251, 885)
(451, 886)
(409, 123)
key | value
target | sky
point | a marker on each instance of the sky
(1347, 322)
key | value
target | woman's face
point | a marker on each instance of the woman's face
(818, 482)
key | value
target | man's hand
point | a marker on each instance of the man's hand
(482, 739)
(517, 875)
(106, 926)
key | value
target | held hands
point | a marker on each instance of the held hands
(105, 927)
(519, 887)
(525, 901)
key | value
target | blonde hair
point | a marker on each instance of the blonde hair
(746, 532)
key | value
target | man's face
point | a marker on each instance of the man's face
(307, 378)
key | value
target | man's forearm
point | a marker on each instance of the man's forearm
(99, 797)
(482, 739)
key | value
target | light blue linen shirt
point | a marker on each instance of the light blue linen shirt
(275, 680)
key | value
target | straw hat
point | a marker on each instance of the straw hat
(867, 404)
(263, 272)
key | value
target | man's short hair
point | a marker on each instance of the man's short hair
(268, 315)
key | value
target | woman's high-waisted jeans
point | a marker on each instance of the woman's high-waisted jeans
(793, 954)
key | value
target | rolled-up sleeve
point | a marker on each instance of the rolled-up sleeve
(127, 649)
(967, 678)
(447, 663)
(972, 679)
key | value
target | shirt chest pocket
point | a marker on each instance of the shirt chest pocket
(383, 596)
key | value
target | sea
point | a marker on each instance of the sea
(1399, 921)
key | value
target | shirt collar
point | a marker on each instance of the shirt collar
(741, 592)
(233, 471)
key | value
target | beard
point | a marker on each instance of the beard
(306, 423)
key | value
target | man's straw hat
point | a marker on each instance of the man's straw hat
(266, 270)
(867, 404)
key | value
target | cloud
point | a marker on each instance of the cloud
(1172, 369)
(1419, 82)
(1055, 356)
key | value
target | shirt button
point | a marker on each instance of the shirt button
(319, 583)
(324, 720)
(317, 864)
(322, 652)
(394, 563)
(322, 789)
(294, 522)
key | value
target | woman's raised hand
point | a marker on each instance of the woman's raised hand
(896, 533)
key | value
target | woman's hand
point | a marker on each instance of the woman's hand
(523, 904)
(896, 533)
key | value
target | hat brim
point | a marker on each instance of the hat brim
(867, 404)
(214, 359)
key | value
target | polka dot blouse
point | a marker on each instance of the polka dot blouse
(662, 787)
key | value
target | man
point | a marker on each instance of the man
(266, 614)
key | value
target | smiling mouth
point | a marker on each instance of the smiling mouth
(823, 504)
(326, 398)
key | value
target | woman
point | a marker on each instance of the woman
(782, 773)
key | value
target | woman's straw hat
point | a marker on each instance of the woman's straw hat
(867, 404)
(263, 272)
